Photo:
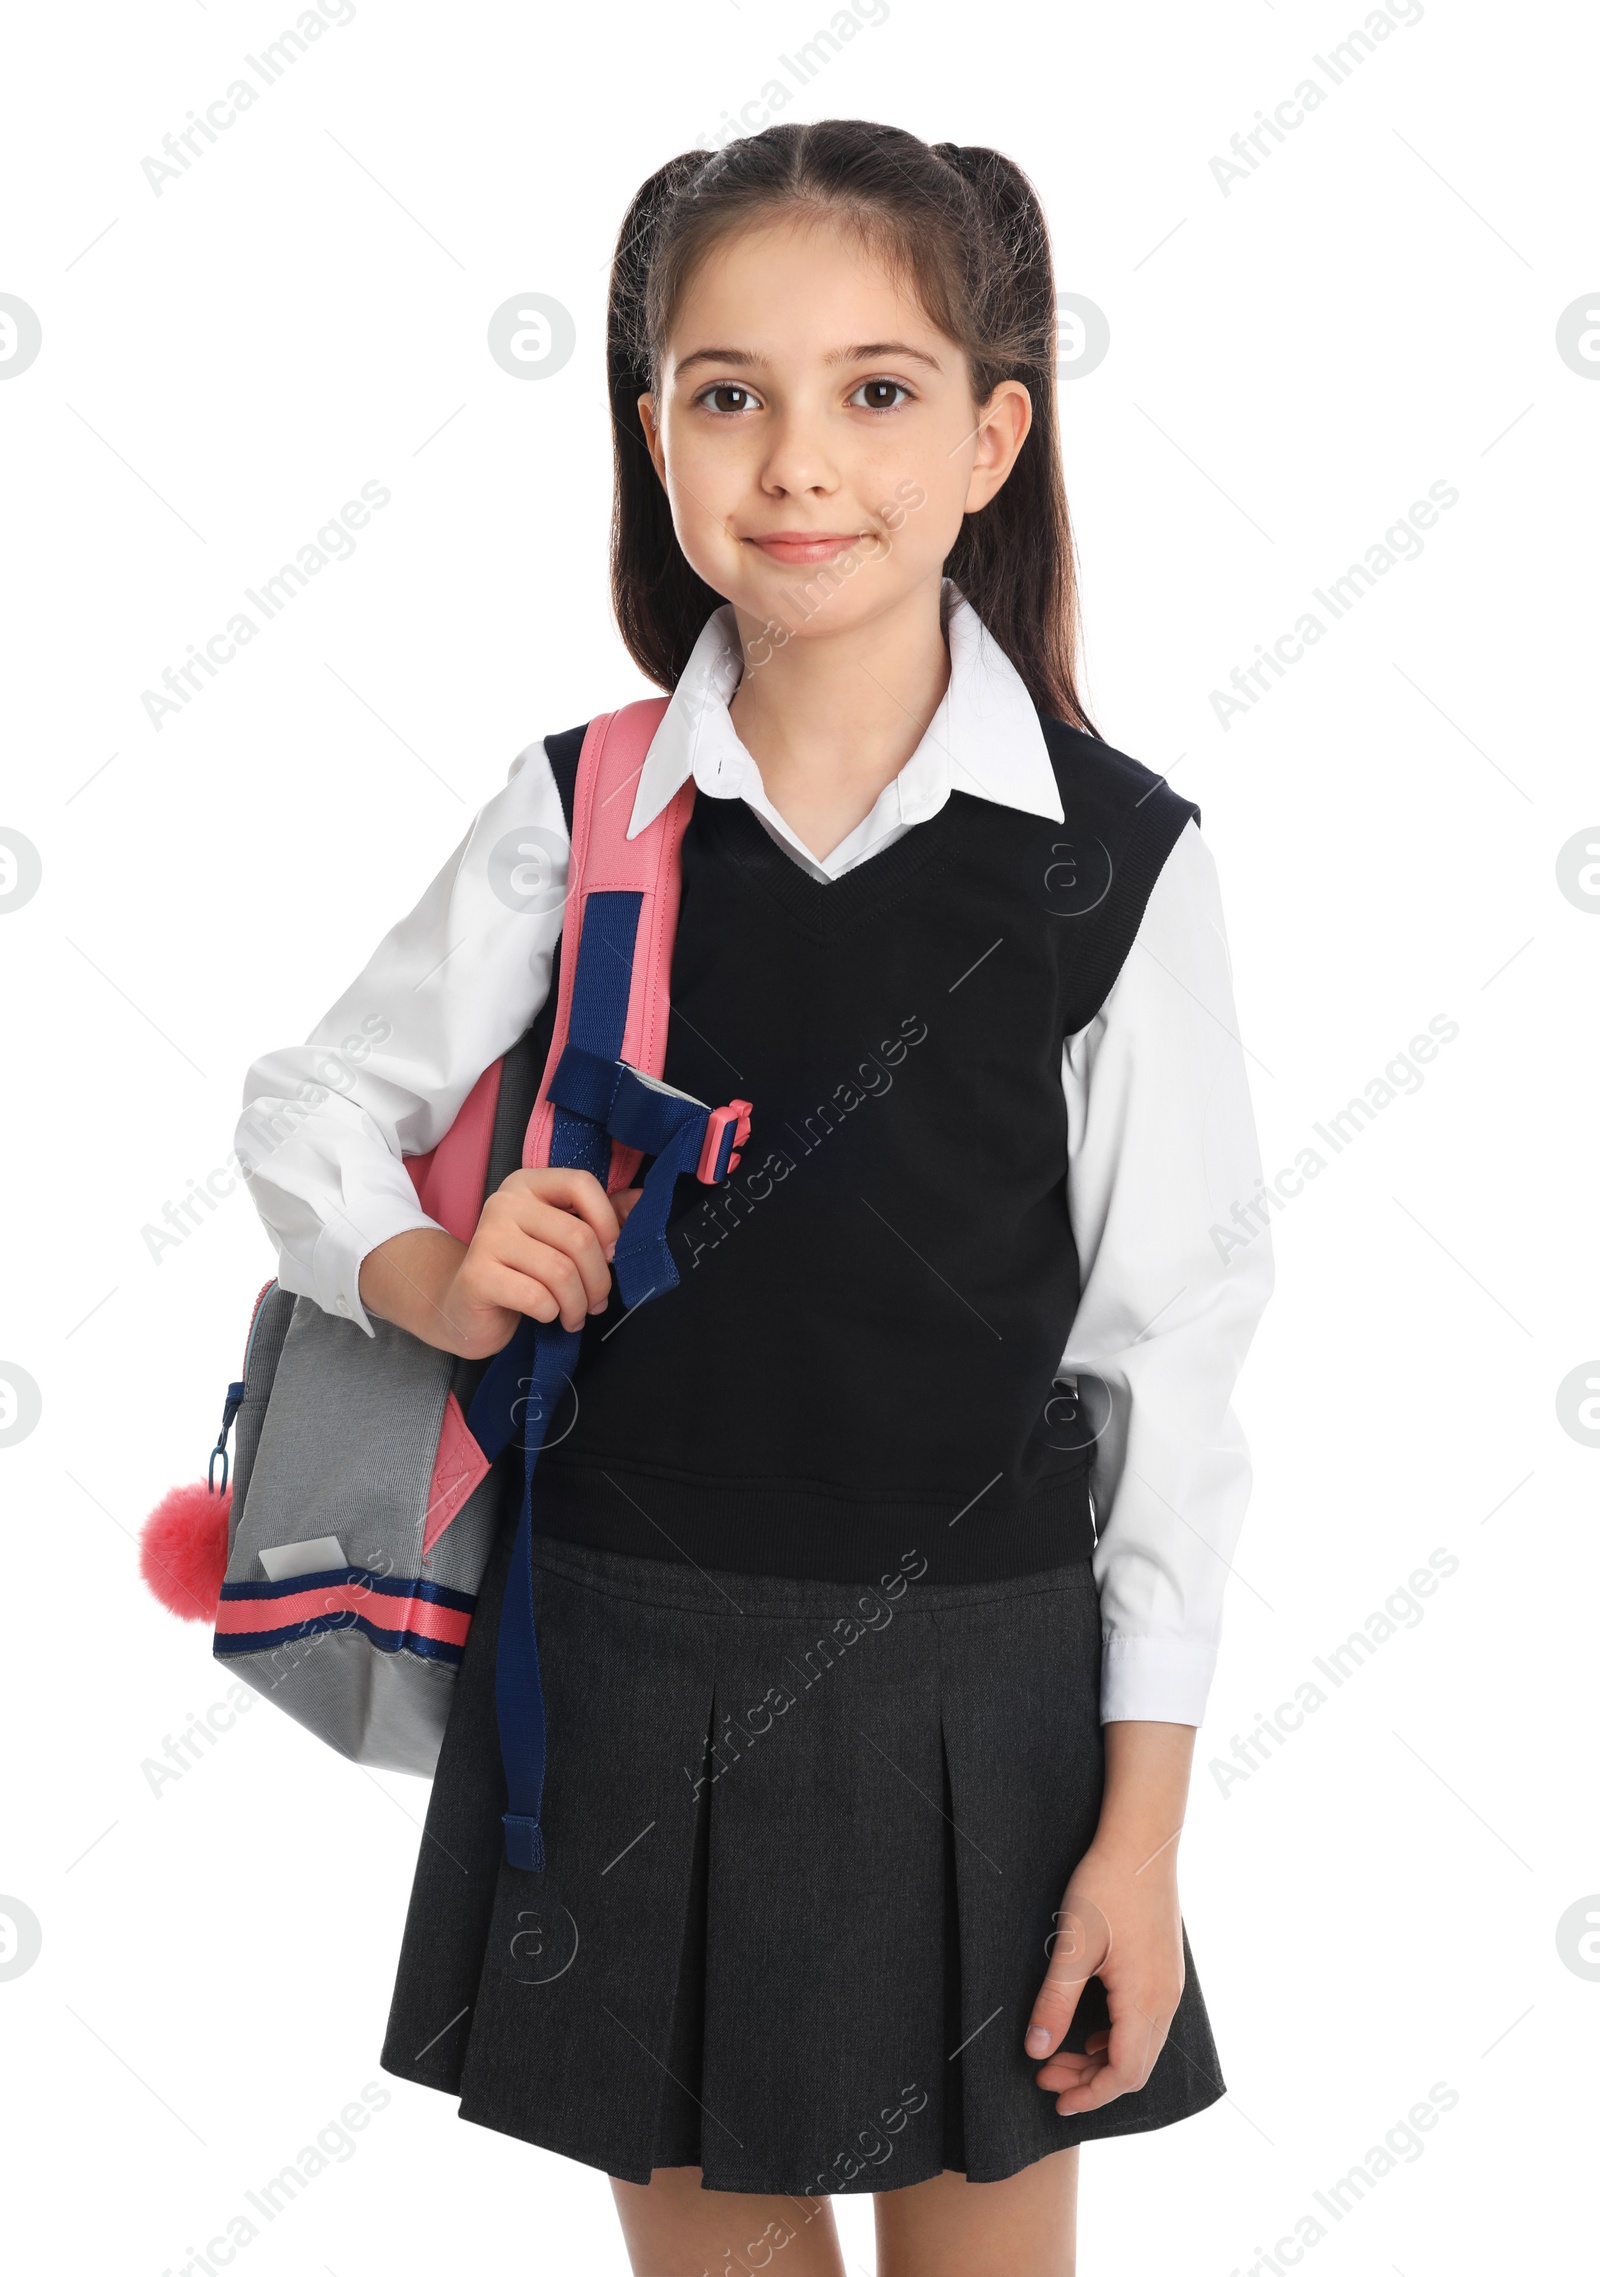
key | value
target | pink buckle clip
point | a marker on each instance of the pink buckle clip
(727, 1128)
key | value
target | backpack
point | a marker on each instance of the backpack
(341, 1569)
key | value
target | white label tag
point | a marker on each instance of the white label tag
(324, 1555)
(654, 1083)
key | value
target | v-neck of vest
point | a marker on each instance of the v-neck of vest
(825, 906)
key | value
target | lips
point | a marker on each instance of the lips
(805, 546)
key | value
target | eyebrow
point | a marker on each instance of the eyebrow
(747, 360)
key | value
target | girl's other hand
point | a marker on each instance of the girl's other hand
(541, 1251)
(1121, 1924)
(1119, 1921)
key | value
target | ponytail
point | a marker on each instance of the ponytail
(1015, 561)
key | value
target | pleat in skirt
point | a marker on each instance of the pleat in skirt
(806, 1841)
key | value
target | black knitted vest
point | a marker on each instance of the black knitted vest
(859, 1365)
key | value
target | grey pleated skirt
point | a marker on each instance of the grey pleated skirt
(805, 1841)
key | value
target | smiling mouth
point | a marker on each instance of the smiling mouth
(807, 545)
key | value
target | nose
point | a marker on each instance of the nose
(798, 462)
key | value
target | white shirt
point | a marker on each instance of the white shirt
(1161, 1138)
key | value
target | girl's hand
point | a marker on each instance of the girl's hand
(1119, 1921)
(541, 1250)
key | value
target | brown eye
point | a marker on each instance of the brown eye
(729, 397)
(880, 394)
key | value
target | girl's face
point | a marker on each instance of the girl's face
(817, 435)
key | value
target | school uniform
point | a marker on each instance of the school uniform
(848, 1546)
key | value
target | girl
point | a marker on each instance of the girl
(870, 1719)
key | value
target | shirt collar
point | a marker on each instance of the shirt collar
(985, 737)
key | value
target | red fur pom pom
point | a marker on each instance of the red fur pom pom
(183, 1550)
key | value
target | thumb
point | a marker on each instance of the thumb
(1077, 1946)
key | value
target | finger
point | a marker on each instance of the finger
(563, 1277)
(539, 1281)
(1070, 2068)
(1053, 2011)
(561, 1230)
(622, 1203)
(1135, 2041)
(576, 1190)
(494, 1287)
(515, 1222)
(1065, 2071)
(1103, 2085)
(1078, 1944)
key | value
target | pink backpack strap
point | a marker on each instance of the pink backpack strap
(606, 860)
(450, 1177)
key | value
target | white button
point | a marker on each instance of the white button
(340, 1305)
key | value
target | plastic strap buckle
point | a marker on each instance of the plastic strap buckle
(727, 1128)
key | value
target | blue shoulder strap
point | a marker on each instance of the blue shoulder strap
(597, 1098)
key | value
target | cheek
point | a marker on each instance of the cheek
(692, 476)
(701, 498)
(706, 479)
(695, 507)
(921, 507)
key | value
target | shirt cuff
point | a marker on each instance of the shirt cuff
(342, 1245)
(1156, 1680)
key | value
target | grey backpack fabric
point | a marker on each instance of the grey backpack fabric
(332, 1607)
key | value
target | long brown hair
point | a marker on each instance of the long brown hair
(964, 227)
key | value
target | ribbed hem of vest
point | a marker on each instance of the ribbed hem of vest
(799, 1532)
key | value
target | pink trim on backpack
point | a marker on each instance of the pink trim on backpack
(458, 1467)
(396, 1616)
(451, 1176)
(605, 860)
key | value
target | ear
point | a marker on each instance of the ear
(1002, 429)
(652, 436)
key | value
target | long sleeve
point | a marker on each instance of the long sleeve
(326, 1123)
(1162, 1147)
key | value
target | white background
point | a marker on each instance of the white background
(1371, 310)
